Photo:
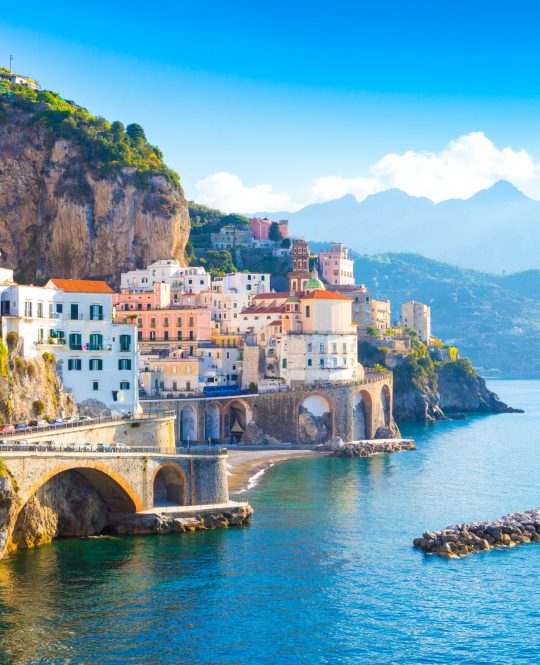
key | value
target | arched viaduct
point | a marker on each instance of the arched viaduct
(310, 415)
(127, 483)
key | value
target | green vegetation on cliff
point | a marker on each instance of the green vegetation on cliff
(105, 146)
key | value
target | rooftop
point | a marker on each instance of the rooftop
(81, 285)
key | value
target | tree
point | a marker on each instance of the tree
(136, 133)
(117, 130)
(275, 233)
(286, 243)
(372, 331)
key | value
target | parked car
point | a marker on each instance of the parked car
(79, 447)
(83, 419)
(91, 448)
(121, 448)
(57, 421)
(6, 429)
(21, 445)
(105, 448)
(42, 423)
(20, 426)
(126, 414)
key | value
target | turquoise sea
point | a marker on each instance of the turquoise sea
(325, 574)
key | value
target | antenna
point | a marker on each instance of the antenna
(10, 62)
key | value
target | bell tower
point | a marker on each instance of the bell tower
(300, 274)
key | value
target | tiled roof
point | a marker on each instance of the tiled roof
(319, 294)
(277, 294)
(81, 285)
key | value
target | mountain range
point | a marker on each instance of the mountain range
(497, 230)
(493, 319)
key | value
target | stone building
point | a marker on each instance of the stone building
(417, 316)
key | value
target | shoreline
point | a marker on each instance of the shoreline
(245, 466)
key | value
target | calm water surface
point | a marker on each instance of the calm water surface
(325, 574)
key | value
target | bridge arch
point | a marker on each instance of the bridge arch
(115, 490)
(315, 414)
(212, 421)
(189, 423)
(362, 416)
(169, 485)
(238, 415)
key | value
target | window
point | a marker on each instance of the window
(96, 312)
(166, 335)
(59, 308)
(152, 335)
(321, 362)
(152, 323)
(40, 310)
(74, 364)
(321, 348)
(28, 308)
(179, 322)
(74, 311)
(95, 364)
(284, 363)
(95, 385)
(139, 335)
(75, 341)
(334, 348)
(95, 342)
(309, 362)
(179, 335)
(124, 385)
(139, 323)
(310, 347)
(308, 311)
(166, 322)
(125, 342)
(190, 322)
(124, 363)
(51, 310)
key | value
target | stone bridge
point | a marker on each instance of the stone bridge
(352, 410)
(125, 483)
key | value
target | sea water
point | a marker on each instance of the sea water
(326, 573)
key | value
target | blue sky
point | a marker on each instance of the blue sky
(274, 105)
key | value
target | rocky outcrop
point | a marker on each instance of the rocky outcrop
(462, 391)
(462, 539)
(255, 436)
(369, 448)
(60, 217)
(141, 524)
(30, 389)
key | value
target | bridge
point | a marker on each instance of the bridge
(308, 415)
(36, 487)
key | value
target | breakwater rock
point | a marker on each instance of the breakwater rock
(140, 524)
(372, 447)
(462, 539)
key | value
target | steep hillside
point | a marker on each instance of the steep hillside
(495, 320)
(495, 230)
(79, 196)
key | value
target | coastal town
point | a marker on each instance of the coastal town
(173, 332)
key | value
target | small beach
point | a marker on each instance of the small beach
(245, 467)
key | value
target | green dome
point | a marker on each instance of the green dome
(314, 282)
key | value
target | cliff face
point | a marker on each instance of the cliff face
(59, 217)
(31, 389)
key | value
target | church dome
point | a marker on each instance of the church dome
(314, 283)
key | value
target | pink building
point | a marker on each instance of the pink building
(260, 228)
(335, 265)
(158, 298)
(173, 324)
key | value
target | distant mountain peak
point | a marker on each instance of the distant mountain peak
(502, 190)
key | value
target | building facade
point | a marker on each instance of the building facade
(335, 265)
(417, 316)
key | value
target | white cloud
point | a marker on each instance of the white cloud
(466, 165)
(228, 193)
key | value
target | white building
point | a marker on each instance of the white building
(191, 279)
(96, 359)
(417, 316)
(225, 308)
(219, 365)
(249, 283)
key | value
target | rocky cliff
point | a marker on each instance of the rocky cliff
(80, 197)
(426, 389)
(30, 388)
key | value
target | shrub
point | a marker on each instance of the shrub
(12, 339)
(31, 370)
(20, 365)
(48, 358)
(380, 368)
(38, 407)
(253, 388)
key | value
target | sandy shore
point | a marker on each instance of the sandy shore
(243, 465)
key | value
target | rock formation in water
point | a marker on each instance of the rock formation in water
(80, 197)
(462, 539)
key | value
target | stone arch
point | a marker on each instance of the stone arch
(238, 415)
(189, 423)
(315, 418)
(70, 500)
(169, 486)
(116, 491)
(362, 416)
(386, 405)
(212, 421)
